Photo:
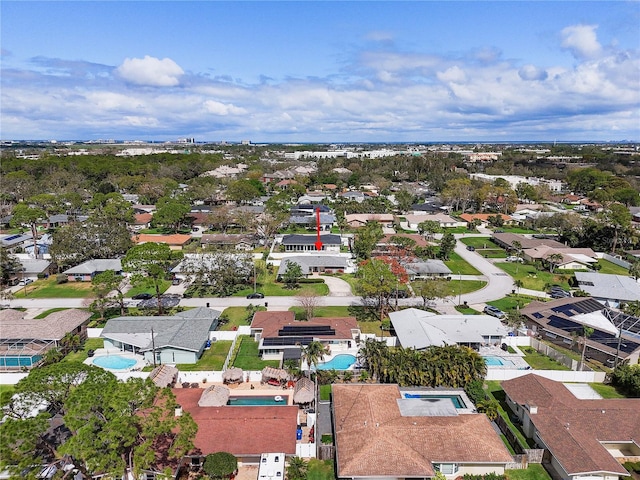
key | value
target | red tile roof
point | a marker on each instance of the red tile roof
(175, 239)
(241, 431)
(272, 321)
(573, 429)
(374, 439)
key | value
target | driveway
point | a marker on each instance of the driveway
(337, 286)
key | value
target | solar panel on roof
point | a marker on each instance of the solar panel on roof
(284, 341)
(564, 324)
(538, 315)
(565, 309)
(306, 330)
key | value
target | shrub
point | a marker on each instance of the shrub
(220, 465)
(61, 278)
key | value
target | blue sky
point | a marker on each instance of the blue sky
(330, 71)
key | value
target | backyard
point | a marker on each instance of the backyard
(81, 355)
(212, 359)
(611, 268)
(248, 358)
(539, 361)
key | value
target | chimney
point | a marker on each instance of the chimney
(533, 409)
(178, 411)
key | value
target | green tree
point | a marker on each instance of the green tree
(292, 274)
(429, 228)
(106, 282)
(634, 269)
(313, 353)
(553, 261)
(586, 333)
(430, 290)
(297, 469)
(171, 214)
(404, 200)
(243, 190)
(619, 218)
(23, 214)
(447, 245)
(9, 266)
(366, 239)
(377, 282)
(148, 261)
(220, 465)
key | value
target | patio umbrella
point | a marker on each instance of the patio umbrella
(164, 375)
(303, 392)
(214, 396)
(232, 375)
(276, 373)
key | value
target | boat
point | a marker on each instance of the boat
(278, 398)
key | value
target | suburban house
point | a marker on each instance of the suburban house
(310, 264)
(446, 221)
(25, 341)
(181, 338)
(506, 240)
(16, 241)
(280, 335)
(572, 258)
(142, 220)
(427, 269)
(379, 433)
(356, 220)
(228, 241)
(609, 289)
(326, 221)
(89, 269)
(485, 218)
(615, 337)
(419, 329)
(244, 431)
(32, 267)
(353, 196)
(584, 438)
(177, 241)
(306, 243)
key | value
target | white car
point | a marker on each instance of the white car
(514, 259)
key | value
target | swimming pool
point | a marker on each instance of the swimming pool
(455, 399)
(114, 362)
(339, 362)
(250, 401)
(492, 361)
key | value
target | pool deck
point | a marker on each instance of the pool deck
(516, 359)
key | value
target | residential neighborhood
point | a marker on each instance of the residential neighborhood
(343, 312)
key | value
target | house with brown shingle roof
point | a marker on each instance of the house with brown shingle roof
(374, 439)
(176, 241)
(585, 438)
(245, 432)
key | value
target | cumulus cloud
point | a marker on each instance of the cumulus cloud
(581, 41)
(531, 72)
(151, 71)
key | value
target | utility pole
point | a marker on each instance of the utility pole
(153, 348)
(459, 288)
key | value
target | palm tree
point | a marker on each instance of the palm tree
(313, 353)
(554, 260)
(297, 469)
(518, 283)
(586, 333)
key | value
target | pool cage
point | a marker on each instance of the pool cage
(23, 353)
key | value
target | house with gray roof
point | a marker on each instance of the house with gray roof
(317, 263)
(609, 289)
(419, 329)
(427, 269)
(89, 269)
(327, 220)
(180, 338)
(305, 243)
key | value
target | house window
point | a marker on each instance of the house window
(446, 468)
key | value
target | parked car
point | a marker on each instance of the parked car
(471, 248)
(494, 311)
(176, 281)
(255, 295)
(513, 258)
(25, 281)
(559, 292)
(142, 296)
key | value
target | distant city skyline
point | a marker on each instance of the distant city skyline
(329, 71)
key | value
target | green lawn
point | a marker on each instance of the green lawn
(538, 361)
(320, 470)
(237, 316)
(457, 287)
(47, 288)
(47, 312)
(81, 355)
(510, 302)
(325, 392)
(609, 267)
(212, 359)
(335, 311)
(606, 391)
(480, 242)
(247, 357)
(467, 310)
(275, 289)
(350, 279)
(517, 230)
(6, 392)
(532, 278)
(494, 390)
(459, 266)
(147, 287)
(534, 471)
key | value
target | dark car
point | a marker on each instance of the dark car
(142, 296)
(255, 295)
(471, 248)
(559, 293)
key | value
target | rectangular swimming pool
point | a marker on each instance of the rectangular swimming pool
(455, 399)
(252, 401)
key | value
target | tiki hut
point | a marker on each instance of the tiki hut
(304, 391)
(232, 375)
(278, 374)
(214, 396)
(164, 375)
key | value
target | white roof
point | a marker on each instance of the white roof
(596, 320)
(420, 329)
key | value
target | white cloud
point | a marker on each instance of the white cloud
(531, 72)
(453, 74)
(581, 41)
(151, 71)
